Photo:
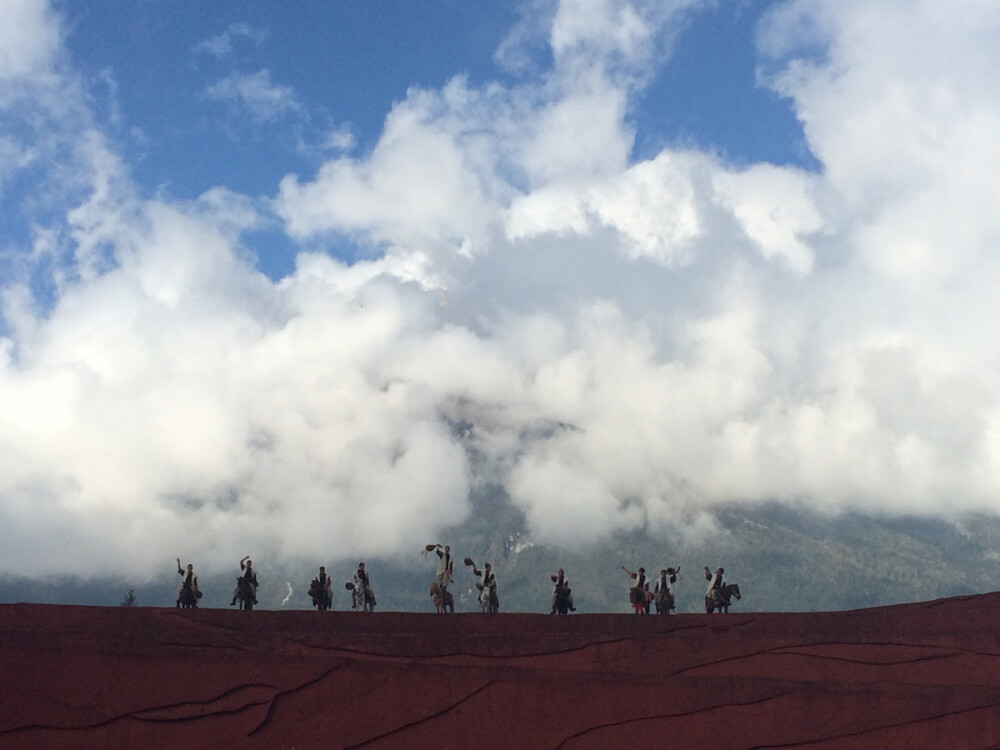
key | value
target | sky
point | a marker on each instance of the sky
(294, 279)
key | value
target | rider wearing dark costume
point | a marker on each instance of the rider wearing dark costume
(362, 575)
(188, 581)
(561, 585)
(489, 580)
(324, 585)
(637, 593)
(248, 577)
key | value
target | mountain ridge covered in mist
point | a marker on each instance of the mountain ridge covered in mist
(784, 559)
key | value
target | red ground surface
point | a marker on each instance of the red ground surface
(911, 676)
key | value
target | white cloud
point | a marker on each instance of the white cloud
(221, 46)
(775, 208)
(255, 93)
(899, 114)
(186, 390)
(624, 40)
(29, 41)
(635, 342)
(654, 207)
(341, 139)
(430, 179)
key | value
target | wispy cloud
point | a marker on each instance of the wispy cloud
(222, 46)
(341, 139)
(256, 94)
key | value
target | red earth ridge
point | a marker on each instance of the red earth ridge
(923, 675)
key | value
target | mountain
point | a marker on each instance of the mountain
(784, 558)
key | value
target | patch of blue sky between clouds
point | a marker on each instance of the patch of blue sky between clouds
(712, 95)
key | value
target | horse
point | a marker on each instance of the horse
(321, 595)
(664, 601)
(190, 595)
(562, 600)
(244, 594)
(443, 600)
(362, 598)
(640, 598)
(720, 599)
(488, 600)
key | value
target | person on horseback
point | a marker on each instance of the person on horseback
(248, 578)
(562, 589)
(487, 587)
(445, 568)
(361, 576)
(322, 588)
(637, 594)
(663, 595)
(715, 583)
(189, 583)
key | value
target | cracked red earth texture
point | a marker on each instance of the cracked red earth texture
(923, 675)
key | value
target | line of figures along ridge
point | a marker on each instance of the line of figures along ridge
(643, 598)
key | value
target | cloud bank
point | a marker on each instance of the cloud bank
(624, 343)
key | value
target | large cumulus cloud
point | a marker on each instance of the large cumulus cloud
(633, 342)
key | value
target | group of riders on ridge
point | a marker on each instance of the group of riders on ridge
(445, 575)
(245, 592)
(718, 597)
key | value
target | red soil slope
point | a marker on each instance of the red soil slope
(911, 676)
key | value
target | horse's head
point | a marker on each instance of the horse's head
(736, 590)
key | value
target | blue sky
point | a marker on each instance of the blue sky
(334, 64)
(664, 256)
